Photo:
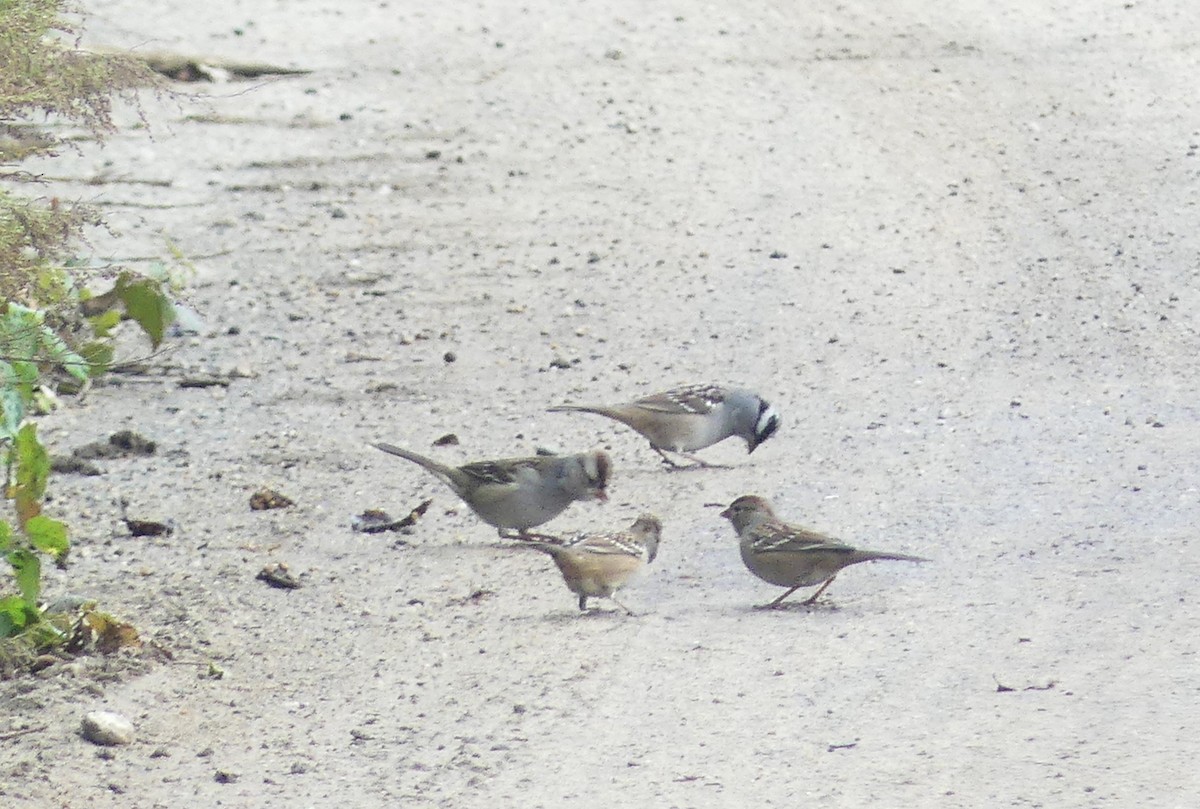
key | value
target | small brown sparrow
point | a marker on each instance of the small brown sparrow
(683, 420)
(519, 493)
(597, 565)
(790, 556)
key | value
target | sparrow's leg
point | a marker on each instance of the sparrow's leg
(779, 600)
(666, 458)
(697, 463)
(811, 599)
(528, 536)
(557, 540)
(622, 606)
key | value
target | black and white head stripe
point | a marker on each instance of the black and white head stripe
(768, 422)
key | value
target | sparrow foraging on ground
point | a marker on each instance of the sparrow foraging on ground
(789, 555)
(515, 494)
(686, 419)
(597, 565)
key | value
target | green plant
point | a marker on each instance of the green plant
(26, 340)
(53, 329)
(29, 350)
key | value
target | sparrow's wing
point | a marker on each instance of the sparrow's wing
(502, 472)
(691, 399)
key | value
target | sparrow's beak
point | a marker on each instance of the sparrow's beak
(726, 513)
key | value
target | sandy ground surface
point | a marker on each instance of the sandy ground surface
(955, 244)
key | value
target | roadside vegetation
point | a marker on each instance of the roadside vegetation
(59, 311)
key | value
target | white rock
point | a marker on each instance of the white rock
(107, 728)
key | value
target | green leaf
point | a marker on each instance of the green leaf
(12, 412)
(17, 379)
(48, 535)
(99, 356)
(43, 634)
(5, 536)
(27, 569)
(25, 373)
(19, 388)
(103, 324)
(33, 470)
(148, 306)
(19, 330)
(67, 359)
(15, 614)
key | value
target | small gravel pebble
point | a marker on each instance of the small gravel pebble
(107, 728)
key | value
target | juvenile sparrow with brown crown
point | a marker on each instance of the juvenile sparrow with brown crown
(519, 493)
(790, 556)
(686, 419)
(597, 565)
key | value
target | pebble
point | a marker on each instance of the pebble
(107, 728)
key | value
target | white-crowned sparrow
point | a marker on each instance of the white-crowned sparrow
(519, 493)
(683, 420)
(597, 565)
(790, 556)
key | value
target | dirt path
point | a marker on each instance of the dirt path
(955, 245)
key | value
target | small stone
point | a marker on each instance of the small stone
(278, 575)
(449, 356)
(107, 728)
(149, 528)
(266, 499)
